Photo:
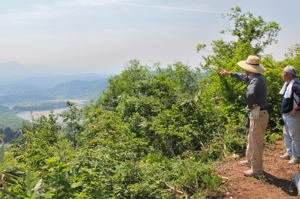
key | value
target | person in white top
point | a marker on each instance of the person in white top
(290, 107)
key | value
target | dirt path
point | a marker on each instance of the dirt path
(275, 184)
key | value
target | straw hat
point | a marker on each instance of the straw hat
(252, 64)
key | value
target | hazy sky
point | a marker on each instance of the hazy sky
(101, 36)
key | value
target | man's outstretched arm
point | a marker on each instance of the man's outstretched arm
(239, 76)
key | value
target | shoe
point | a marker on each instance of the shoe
(250, 173)
(294, 160)
(245, 163)
(285, 156)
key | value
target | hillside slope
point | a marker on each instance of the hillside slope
(276, 183)
(79, 89)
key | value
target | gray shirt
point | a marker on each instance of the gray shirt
(256, 90)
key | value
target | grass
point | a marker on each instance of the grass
(9, 119)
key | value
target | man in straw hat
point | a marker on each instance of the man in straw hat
(256, 99)
(290, 114)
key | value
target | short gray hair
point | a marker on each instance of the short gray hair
(291, 70)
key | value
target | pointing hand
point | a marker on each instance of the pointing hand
(224, 72)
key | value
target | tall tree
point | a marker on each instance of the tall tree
(251, 35)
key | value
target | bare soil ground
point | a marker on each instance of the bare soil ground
(276, 183)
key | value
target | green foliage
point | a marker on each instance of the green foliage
(292, 57)
(235, 143)
(274, 137)
(252, 30)
(140, 146)
(72, 119)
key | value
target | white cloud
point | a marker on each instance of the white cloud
(85, 3)
(133, 3)
(174, 8)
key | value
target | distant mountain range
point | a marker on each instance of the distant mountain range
(77, 89)
(14, 73)
(21, 84)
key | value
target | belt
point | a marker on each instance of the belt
(263, 109)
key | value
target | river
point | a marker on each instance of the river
(30, 115)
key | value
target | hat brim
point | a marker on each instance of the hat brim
(251, 67)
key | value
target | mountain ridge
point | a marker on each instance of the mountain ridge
(75, 89)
